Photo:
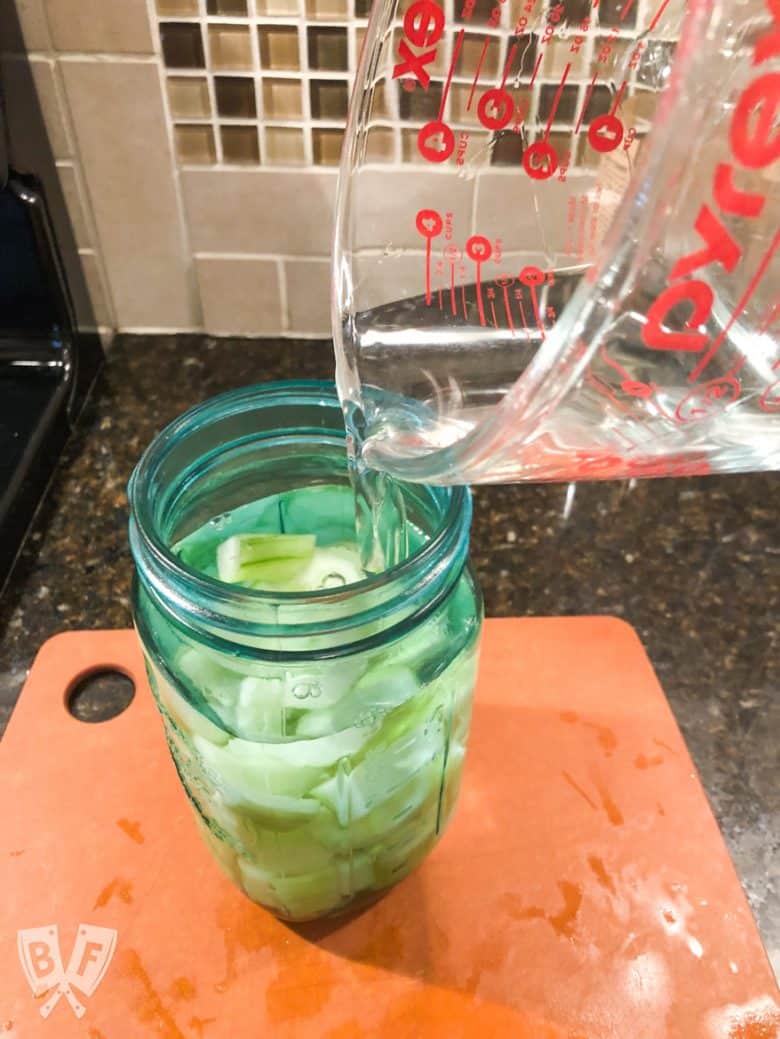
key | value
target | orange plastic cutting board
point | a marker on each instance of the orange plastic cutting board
(583, 890)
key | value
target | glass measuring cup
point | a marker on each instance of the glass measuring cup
(556, 242)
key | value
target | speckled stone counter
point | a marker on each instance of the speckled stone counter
(693, 564)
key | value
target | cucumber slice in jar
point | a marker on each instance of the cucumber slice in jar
(285, 853)
(216, 684)
(332, 567)
(260, 708)
(182, 713)
(254, 770)
(242, 557)
(379, 691)
(286, 563)
(310, 894)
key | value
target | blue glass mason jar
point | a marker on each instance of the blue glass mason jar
(319, 735)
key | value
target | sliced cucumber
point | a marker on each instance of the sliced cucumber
(380, 781)
(254, 770)
(379, 691)
(332, 568)
(398, 858)
(321, 754)
(260, 708)
(286, 853)
(256, 882)
(181, 711)
(310, 894)
(221, 851)
(218, 685)
(276, 558)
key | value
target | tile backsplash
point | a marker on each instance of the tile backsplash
(197, 141)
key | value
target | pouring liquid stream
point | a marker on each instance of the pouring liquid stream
(380, 514)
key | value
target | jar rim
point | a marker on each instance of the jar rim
(188, 585)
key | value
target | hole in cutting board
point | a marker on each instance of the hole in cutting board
(100, 696)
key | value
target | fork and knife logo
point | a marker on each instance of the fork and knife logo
(39, 953)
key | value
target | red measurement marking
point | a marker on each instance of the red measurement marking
(441, 299)
(521, 308)
(479, 249)
(618, 96)
(429, 224)
(556, 101)
(453, 306)
(585, 103)
(508, 66)
(448, 82)
(752, 285)
(770, 320)
(493, 311)
(480, 305)
(659, 12)
(627, 8)
(537, 315)
(463, 297)
(633, 387)
(505, 290)
(536, 69)
(477, 73)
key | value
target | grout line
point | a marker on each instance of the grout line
(83, 199)
(63, 110)
(257, 83)
(181, 214)
(303, 60)
(209, 72)
(281, 275)
(222, 333)
(86, 197)
(101, 278)
(281, 257)
(253, 168)
(104, 57)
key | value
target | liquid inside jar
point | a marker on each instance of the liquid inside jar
(318, 779)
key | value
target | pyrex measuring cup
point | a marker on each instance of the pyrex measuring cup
(556, 244)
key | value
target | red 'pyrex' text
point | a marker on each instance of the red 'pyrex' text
(423, 27)
(754, 142)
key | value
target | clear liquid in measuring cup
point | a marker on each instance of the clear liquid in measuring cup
(560, 255)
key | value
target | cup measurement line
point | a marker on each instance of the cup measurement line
(658, 14)
(521, 308)
(556, 100)
(618, 98)
(478, 72)
(536, 69)
(586, 102)
(507, 309)
(455, 53)
(508, 64)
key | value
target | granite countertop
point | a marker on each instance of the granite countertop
(692, 564)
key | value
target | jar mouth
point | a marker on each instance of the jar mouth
(160, 477)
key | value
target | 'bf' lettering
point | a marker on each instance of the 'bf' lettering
(423, 27)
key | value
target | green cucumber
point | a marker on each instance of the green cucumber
(310, 894)
(182, 712)
(256, 557)
(377, 692)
